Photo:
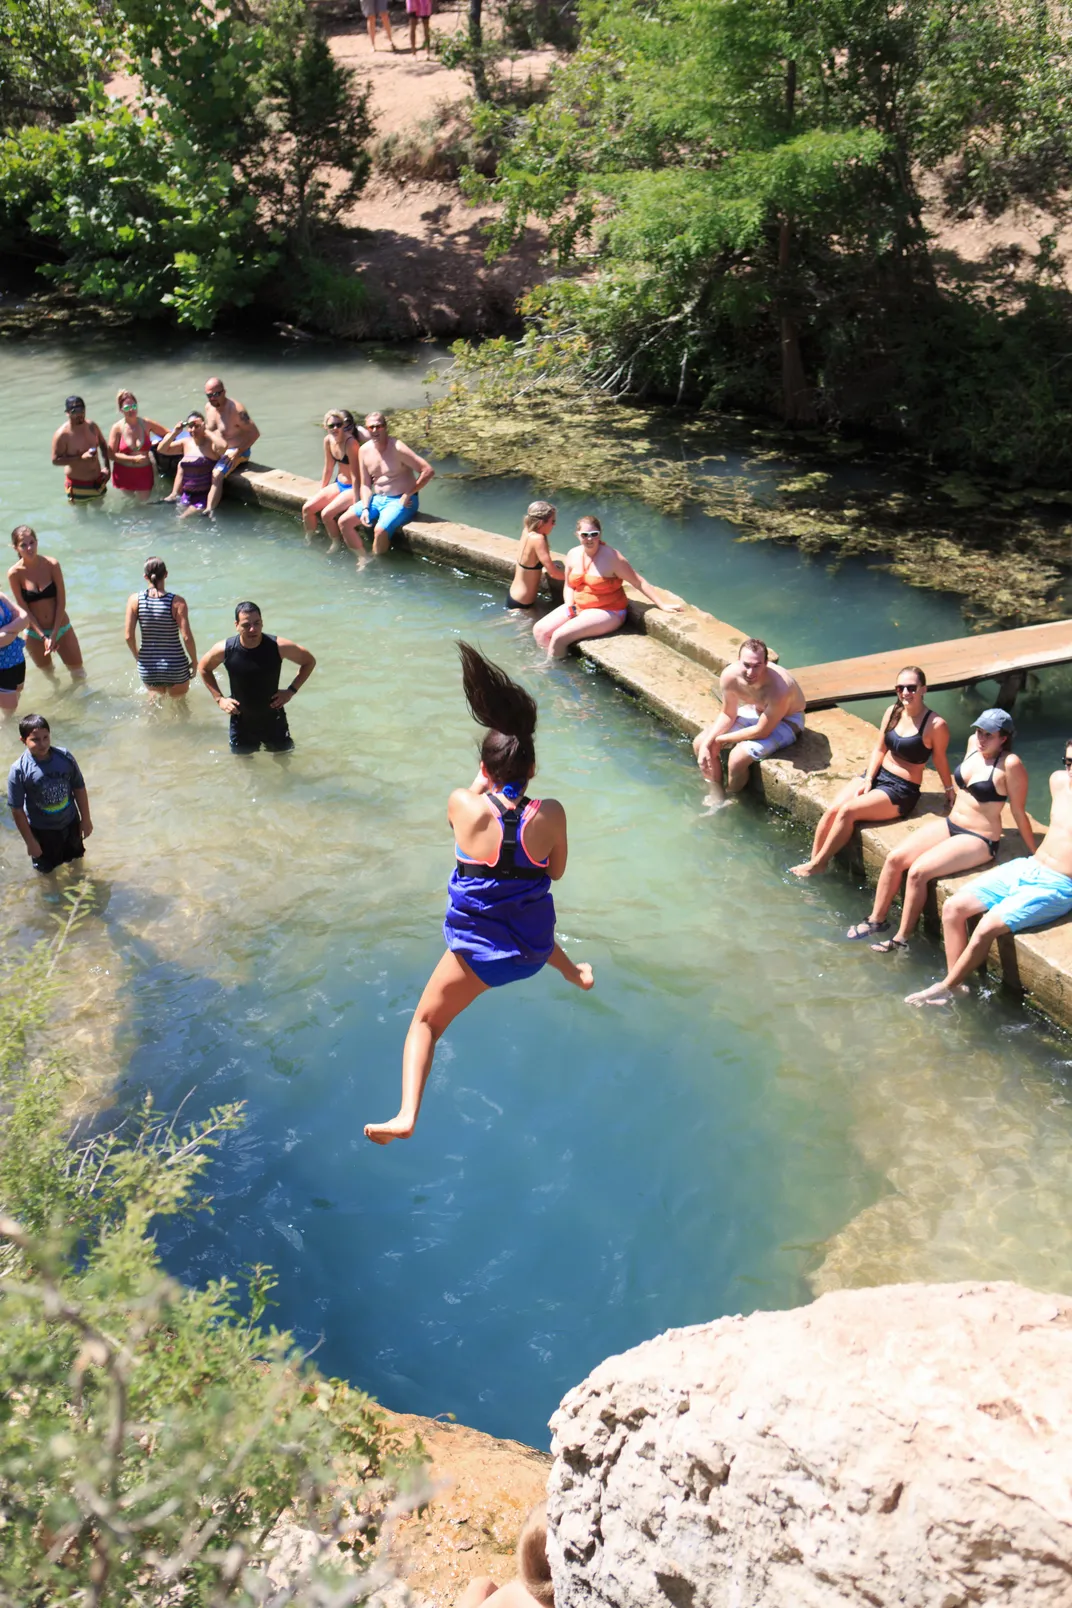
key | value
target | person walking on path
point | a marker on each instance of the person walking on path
(989, 777)
(167, 657)
(911, 735)
(762, 713)
(594, 602)
(421, 9)
(257, 704)
(80, 450)
(370, 10)
(500, 921)
(13, 621)
(38, 582)
(130, 445)
(392, 476)
(534, 556)
(227, 418)
(47, 797)
(1016, 897)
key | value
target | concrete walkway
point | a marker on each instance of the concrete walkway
(669, 662)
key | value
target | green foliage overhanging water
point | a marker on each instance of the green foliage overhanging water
(151, 1435)
(213, 189)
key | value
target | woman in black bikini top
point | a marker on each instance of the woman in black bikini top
(39, 582)
(890, 787)
(536, 530)
(970, 837)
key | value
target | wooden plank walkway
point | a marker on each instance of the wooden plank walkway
(1001, 655)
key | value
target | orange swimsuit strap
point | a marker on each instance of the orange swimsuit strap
(594, 591)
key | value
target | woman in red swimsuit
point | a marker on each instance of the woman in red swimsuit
(130, 444)
(594, 597)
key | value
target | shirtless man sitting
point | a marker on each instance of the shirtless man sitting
(79, 448)
(1025, 893)
(762, 712)
(391, 476)
(227, 419)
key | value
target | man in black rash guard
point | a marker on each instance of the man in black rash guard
(253, 661)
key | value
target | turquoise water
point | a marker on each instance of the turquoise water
(741, 1112)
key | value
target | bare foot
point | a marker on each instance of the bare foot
(937, 994)
(381, 1133)
(586, 979)
(336, 547)
(805, 870)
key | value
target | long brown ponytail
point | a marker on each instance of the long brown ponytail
(508, 752)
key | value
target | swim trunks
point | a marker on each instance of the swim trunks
(785, 732)
(391, 513)
(59, 847)
(85, 490)
(12, 676)
(232, 459)
(1023, 893)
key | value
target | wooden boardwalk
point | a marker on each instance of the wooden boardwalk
(1005, 656)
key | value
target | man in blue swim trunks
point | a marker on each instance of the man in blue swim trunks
(1015, 897)
(391, 476)
(227, 419)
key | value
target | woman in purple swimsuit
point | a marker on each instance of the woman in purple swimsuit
(500, 923)
(201, 453)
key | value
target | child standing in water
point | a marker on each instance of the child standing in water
(500, 922)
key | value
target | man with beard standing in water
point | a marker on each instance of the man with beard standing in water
(256, 704)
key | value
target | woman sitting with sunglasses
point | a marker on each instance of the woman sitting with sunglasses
(338, 483)
(911, 735)
(594, 601)
(201, 453)
(989, 777)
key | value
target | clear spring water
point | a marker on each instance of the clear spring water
(743, 1111)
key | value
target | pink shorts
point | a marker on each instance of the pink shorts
(419, 8)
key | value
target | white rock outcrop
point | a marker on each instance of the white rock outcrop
(909, 1445)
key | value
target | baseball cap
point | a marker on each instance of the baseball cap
(72, 403)
(996, 720)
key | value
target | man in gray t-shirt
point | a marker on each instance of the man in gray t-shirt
(47, 798)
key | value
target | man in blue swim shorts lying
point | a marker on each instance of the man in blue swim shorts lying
(392, 474)
(1014, 897)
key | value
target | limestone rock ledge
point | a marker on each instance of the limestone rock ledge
(904, 1445)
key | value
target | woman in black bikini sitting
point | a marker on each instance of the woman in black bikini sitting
(910, 736)
(533, 555)
(989, 777)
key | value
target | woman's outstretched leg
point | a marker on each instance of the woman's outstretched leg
(579, 974)
(451, 987)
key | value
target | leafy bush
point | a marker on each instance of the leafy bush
(150, 1435)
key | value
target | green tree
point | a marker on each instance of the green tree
(53, 55)
(744, 175)
(319, 126)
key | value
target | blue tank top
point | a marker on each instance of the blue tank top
(13, 654)
(504, 911)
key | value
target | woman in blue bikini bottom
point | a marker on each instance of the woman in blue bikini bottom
(500, 922)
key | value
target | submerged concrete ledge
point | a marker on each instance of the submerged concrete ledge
(669, 662)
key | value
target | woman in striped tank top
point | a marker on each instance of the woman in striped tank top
(167, 657)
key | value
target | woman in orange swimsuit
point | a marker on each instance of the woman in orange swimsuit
(594, 601)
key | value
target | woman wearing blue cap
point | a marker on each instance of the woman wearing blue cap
(989, 777)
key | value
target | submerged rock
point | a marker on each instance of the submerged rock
(901, 1445)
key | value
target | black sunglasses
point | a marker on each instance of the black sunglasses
(1068, 763)
(220, 392)
(907, 686)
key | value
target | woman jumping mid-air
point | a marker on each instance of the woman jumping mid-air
(500, 923)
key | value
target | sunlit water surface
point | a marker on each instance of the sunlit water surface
(742, 1112)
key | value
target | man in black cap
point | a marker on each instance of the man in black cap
(79, 448)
